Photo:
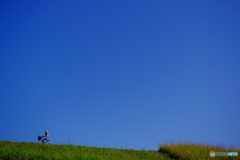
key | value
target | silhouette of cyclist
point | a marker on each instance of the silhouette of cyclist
(46, 135)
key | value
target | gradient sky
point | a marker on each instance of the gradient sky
(124, 74)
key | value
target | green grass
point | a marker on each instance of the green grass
(24, 150)
(193, 151)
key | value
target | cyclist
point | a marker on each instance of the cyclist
(44, 138)
(46, 134)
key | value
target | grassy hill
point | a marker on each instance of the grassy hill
(24, 150)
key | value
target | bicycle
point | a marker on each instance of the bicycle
(42, 140)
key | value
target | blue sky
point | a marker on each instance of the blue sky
(123, 74)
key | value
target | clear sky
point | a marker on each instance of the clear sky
(124, 74)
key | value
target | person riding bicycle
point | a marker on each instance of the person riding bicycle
(43, 139)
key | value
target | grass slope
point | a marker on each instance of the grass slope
(24, 150)
(191, 151)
